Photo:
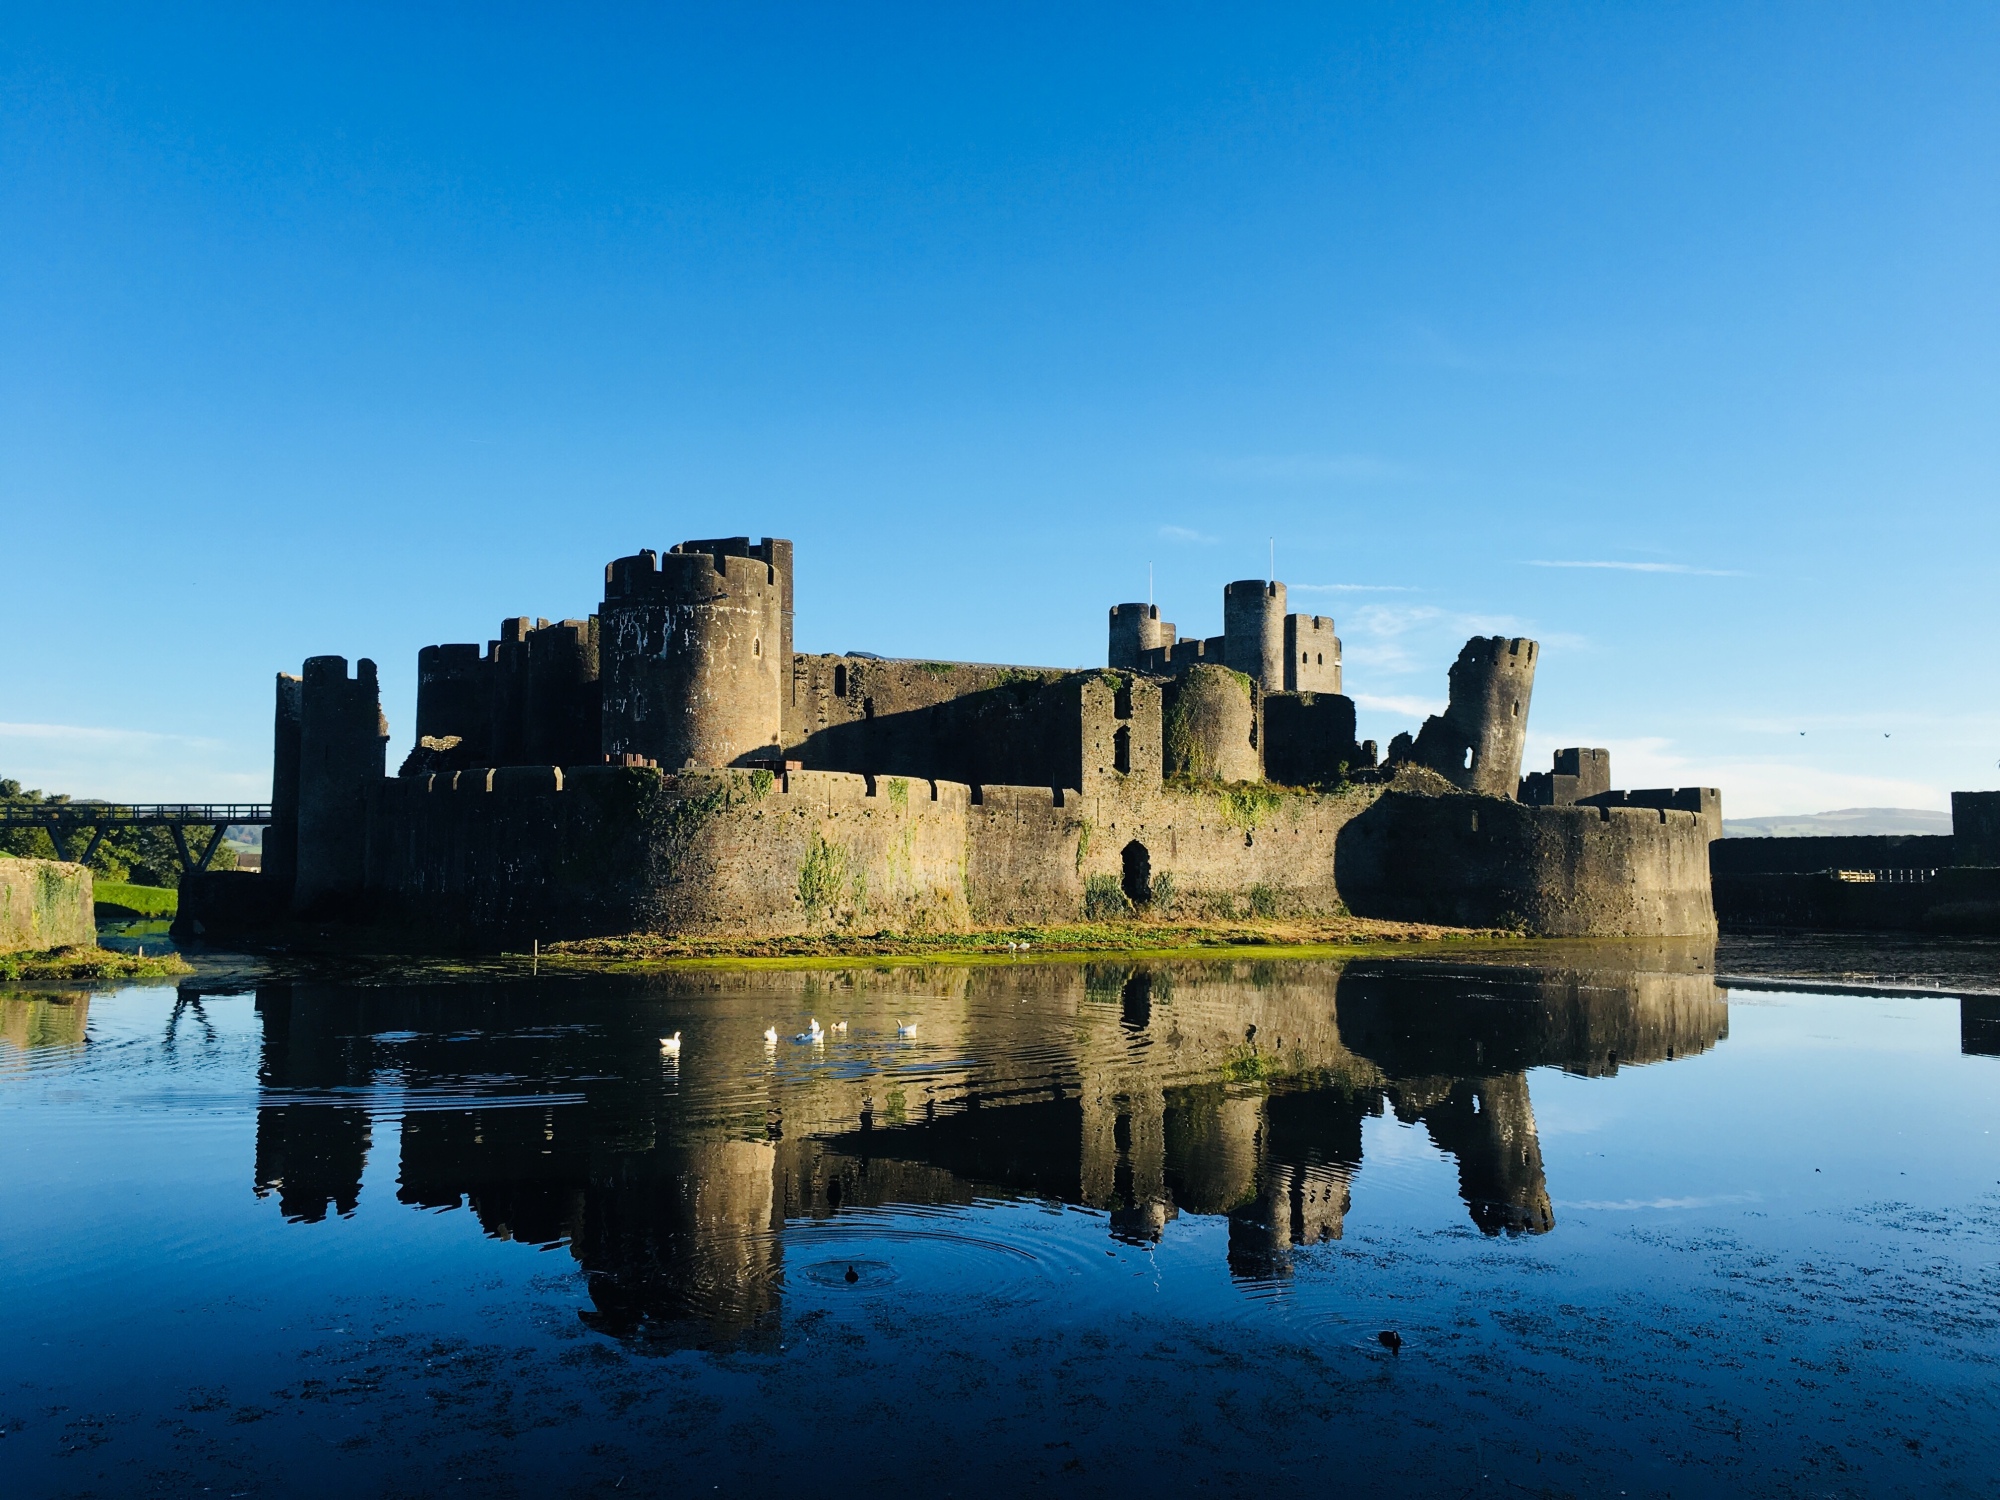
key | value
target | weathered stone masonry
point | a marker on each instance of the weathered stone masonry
(672, 765)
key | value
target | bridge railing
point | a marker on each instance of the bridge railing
(61, 819)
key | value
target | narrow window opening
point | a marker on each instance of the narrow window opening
(1517, 708)
(840, 682)
(1121, 750)
(867, 708)
(1468, 757)
(756, 646)
(1321, 661)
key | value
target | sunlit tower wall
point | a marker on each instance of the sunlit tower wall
(1312, 655)
(691, 644)
(1253, 631)
(1135, 630)
(343, 745)
(1478, 741)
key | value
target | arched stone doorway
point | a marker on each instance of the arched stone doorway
(1138, 879)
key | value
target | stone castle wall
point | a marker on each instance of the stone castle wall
(964, 721)
(1554, 871)
(535, 851)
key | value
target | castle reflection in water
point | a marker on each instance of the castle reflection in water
(1144, 1091)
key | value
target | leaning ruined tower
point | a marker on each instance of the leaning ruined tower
(1478, 741)
(693, 652)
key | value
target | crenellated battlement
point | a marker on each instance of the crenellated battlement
(673, 764)
(1136, 630)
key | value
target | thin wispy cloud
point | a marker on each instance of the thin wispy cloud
(1188, 534)
(80, 734)
(1414, 708)
(1308, 468)
(1398, 638)
(1642, 567)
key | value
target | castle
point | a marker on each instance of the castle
(672, 764)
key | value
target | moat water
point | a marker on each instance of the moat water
(1090, 1229)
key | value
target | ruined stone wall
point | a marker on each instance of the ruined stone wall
(1578, 774)
(1308, 738)
(1553, 871)
(962, 721)
(45, 903)
(1211, 725)
(1478, 741)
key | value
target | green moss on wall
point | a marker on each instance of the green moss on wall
(823, 879)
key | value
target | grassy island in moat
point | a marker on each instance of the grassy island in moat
(81, 962)
(1295, 938)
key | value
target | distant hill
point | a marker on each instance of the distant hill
(1849, 820)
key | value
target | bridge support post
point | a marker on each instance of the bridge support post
(214, 843)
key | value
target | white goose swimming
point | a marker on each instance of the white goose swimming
(671, 1045)
(811, 1034)
(770, 1036)
(906, 1028)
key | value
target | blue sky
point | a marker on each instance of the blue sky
(1663, 334)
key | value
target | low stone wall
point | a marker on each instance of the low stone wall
(1951, 900)
(1809, 856)
(1552, 871)
(44, 904)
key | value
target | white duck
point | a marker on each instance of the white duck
(770, 1036)
(811, 1034)
(906, 1028)
(840, 1026)
(671, 1045)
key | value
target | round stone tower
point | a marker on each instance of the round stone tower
(1210, 727)
(455, 699)
(1478, 741)
(1253, 631)
(1135, 630)
(690, 655)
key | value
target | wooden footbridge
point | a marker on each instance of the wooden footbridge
(63, 820)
